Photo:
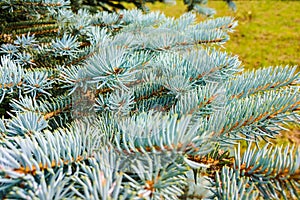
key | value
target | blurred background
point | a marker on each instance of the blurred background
(268, 33)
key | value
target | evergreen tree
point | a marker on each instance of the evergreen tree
(108, 5)
(137, 106)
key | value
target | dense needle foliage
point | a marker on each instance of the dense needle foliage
(127, 105)
(108, 5)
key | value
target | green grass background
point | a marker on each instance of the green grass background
(268, 33)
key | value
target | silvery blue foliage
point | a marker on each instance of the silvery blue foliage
(198, 6)
(25, 41)
(127, 105)
(25, 124)
(9, 49)
(66, 46)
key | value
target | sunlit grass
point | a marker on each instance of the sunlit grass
(268, 33)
